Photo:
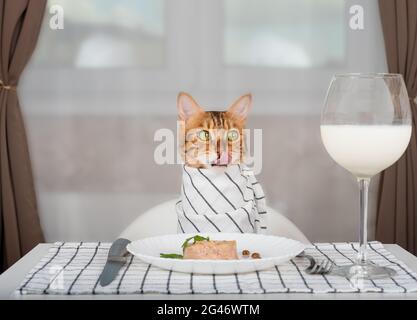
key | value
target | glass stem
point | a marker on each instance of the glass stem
(363, 233)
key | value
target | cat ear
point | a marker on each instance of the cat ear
(240, 108)
(187, 107)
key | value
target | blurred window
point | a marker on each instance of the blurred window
(285, 33)
(94, 94)
(105, 34)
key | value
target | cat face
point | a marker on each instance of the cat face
(212, 138)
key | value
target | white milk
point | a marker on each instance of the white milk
(365, 150)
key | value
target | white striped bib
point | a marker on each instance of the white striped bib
(221, 199)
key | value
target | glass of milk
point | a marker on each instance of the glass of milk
(366, 127)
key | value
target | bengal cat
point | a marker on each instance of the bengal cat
(212, 138)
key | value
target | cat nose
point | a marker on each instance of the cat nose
(221, 146)
(223, 157)
(221, 153)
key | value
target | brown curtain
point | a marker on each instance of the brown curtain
(397, 203)
(20, 231)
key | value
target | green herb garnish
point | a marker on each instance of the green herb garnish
(171, 255)
(184, 245)
(195, 238)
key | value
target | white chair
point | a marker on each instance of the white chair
(162, 219)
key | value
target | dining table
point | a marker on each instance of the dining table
(13, 277)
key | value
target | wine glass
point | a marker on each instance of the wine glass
(366, 127)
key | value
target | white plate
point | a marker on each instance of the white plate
(273, 250)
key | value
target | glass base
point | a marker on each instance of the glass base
(367, 271)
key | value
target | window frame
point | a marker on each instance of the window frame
(135, 79)
(196, 66)
(219, 77)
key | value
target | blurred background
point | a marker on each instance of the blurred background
(97, 91)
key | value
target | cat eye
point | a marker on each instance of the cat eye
(204, 135)
(233, 135)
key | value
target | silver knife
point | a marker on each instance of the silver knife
(116, 259)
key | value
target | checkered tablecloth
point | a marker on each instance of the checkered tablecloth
(74, 268)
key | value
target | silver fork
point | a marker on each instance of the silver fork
(324, 267)
(317, 267)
